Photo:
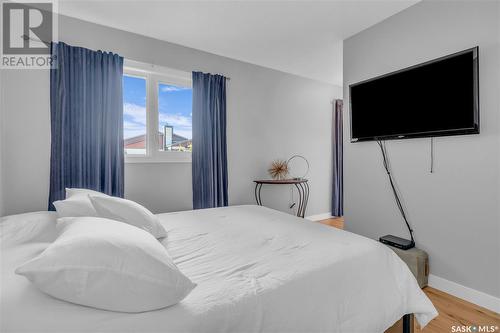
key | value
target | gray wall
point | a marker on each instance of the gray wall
(26, 146)
(270, 115)
(1, 147)
(454, 211)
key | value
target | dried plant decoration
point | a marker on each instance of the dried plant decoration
(278, 169)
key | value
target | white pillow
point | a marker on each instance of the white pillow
(130, 212)
(107, 265)
(74, 192)
(77, 203)
(28, 227)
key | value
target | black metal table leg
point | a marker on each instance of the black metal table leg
(407, 323)
(255, 193)
(258, 187)
(303, 189)
(306, 197)
(301, 200)
(300, 184)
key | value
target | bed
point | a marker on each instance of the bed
(256, 269)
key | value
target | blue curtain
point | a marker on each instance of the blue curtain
(338, 171)
(86, 109)
(209, 157)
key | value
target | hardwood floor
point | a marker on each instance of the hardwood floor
(337, 222)
(454, 311)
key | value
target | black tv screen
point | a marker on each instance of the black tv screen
(436, 98)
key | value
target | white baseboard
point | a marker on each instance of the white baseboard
(471, 295)
(319, 217)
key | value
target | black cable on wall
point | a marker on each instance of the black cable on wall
(391, 181)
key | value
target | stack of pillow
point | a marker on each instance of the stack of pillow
(107, 256)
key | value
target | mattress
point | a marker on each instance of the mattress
(256, 269)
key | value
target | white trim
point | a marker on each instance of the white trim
(471, 295)
(155, 75)
(173, 76)
(161, 157)
(319, 217)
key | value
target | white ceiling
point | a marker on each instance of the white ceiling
(298, 37)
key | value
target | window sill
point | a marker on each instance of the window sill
(173, 157)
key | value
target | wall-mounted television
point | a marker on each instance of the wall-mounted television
(436, 98)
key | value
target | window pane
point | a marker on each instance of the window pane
(134, 115)
(175, 122)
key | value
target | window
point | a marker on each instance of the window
(175, 111)
(157, 114)
(134, 115)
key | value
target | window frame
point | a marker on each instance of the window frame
(154, 76)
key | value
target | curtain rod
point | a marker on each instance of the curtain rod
(26, 37)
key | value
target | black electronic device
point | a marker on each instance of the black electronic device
(398, 242)
(436, 98)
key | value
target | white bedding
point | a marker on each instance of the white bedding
(257, 270)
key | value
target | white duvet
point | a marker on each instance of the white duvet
(257, 270)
